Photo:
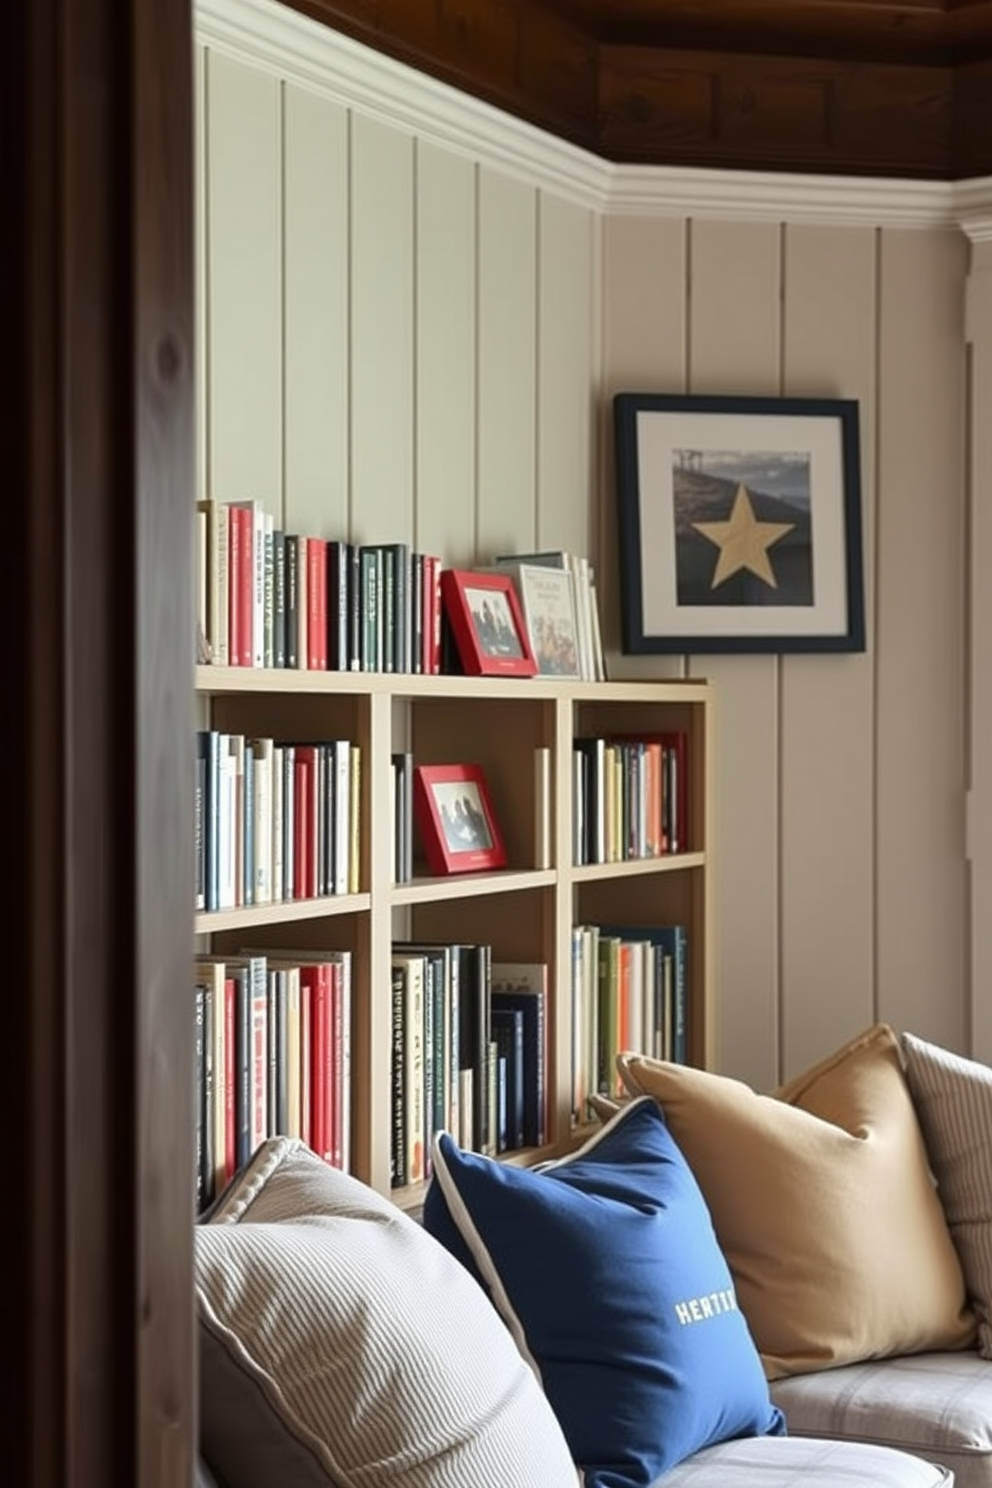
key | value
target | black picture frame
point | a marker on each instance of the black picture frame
(739, 523)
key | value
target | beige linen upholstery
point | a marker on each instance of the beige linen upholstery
(953, 1098)
(937, 1406)
(791, 1462)
(824, 1204)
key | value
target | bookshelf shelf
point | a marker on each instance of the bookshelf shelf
(526, 912)
(292, 911)
(470, 886)
(637, 867)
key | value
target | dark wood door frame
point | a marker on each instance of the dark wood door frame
(97, 297)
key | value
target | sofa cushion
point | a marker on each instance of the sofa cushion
(606, 1268)
(953, 1098)
(824, 1204)
(791, 1462)
(937, 1406)
(341, 1344)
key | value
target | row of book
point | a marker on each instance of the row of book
(275, 820)
(270, 598)
(629, 991)
(469, 1053)
(630, 797)
(272, 1056)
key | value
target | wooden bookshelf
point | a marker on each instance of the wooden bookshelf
(526, 911)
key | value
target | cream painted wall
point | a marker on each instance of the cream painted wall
(399, 339)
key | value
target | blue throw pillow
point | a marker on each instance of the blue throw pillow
(606, 1269)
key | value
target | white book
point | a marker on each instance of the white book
(227, 806)
(262, 825)
(341, 786)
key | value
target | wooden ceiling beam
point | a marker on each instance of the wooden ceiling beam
(840, 102)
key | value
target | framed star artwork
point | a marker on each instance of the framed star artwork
(739, 523)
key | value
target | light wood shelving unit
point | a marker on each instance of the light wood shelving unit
(525, 912)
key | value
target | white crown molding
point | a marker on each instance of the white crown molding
(973, 208)
(305, 52)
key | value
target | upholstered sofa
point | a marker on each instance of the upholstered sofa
(611, 1308)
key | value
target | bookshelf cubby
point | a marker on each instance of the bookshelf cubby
(526, 911)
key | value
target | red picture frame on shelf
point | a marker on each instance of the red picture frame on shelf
(487, 623)
(455, 818)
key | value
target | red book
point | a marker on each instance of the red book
(233, 587)
(317, 604)
(316, 977)
(336, 1067)
(246, 583)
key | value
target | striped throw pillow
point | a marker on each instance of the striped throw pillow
(953, 1099)
(340, 1344)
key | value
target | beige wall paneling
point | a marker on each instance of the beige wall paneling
(919, 609)
(244, 294)
(507, 330)
(827, 702)
(381, 332)
(315, 307)
(200, 365)
(979, 332)
(565, 420)
(734, 347)
(445, 354)
(644, 350)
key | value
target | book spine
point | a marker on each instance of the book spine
(278, 599)
(268, 590)
(291, 561)
(397, 1144)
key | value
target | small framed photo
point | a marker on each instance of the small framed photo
(455, 819)
(739, 523)
(487, 623)
(547, 599)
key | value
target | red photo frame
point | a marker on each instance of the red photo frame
(487, 623)
(455, 818)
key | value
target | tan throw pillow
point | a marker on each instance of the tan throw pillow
(953, 1098)
(823, 1201)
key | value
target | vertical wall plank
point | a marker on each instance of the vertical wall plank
(245, 287)
(382, 282)
(446, 366)
(644, 300)
(507, 465)
(827, 702)
(921, 636)
(566, 309)
(200, 315)
(734, 347)
(315, 331)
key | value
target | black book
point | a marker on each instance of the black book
(508, 1032)
(338, 604)
(292, 559)
(530, 1001)
(279, 599)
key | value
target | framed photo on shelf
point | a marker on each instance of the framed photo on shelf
(547, 599)
(739, 523)
(487, 623)
(455, 819)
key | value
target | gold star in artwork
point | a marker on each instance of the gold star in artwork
(743, 541)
